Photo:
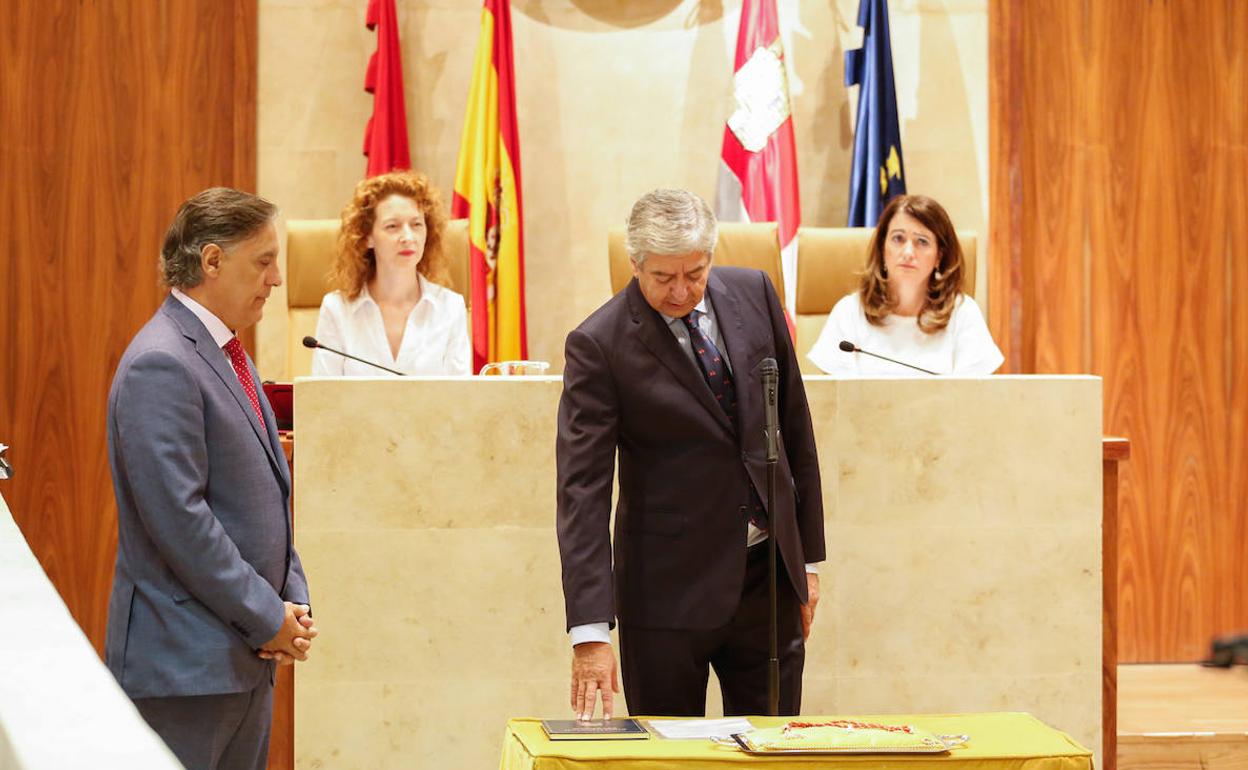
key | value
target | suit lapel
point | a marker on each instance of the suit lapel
(654, 334)
(732, 334)
(212, 355)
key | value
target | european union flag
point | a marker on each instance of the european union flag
(878, 173)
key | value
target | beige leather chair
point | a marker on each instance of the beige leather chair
(829, 264)
(740, 244)
(310, 246)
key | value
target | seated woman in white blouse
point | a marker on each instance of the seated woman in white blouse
(910, 304)
(391, 304)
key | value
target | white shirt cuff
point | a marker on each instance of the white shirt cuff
(812, 569)
(590, 632)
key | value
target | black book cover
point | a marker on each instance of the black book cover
(597, 729)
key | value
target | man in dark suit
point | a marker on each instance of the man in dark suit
(666, 373)
(208, 592)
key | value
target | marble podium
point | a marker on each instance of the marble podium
(964, 569)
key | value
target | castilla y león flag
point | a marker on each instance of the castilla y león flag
(758, 171)
(487, 192)
(385, 138)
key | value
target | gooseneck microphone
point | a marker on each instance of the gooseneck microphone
(771, 427)
(310, 342)
(850, 347)
(771, 417)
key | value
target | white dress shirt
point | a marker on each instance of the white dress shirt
(964, 347)
(435, 337)
(601, 632)
(221, 333)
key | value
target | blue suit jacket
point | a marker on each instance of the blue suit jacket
(204, 551)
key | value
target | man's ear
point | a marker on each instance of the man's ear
(636, 268)
(210, 257)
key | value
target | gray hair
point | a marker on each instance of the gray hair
(219, 215)
(670, 222)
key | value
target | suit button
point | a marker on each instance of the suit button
(745, 457)
(743, 511)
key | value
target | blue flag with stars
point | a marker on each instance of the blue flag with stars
(878, 172)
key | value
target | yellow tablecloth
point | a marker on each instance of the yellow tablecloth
(1005, 741)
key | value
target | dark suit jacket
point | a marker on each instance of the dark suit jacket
(204, 553)
(680, 528)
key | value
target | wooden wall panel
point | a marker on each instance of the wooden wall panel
(1005, 140)
(111, 114)
(1235, 151)
(1131, 250)
(1054, 116)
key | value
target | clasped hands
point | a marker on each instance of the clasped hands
(293, 639)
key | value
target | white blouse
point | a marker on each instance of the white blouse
(964, 347)
(435, 338)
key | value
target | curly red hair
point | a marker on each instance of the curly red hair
(354, 264)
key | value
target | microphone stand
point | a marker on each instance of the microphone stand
(773, 660)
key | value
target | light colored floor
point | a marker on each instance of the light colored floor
(1182, 717)
(1182, 698)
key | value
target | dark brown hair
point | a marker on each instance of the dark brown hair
(355, 264)
(220, 215)
(943, 291)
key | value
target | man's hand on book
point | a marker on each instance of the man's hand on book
(593, 673)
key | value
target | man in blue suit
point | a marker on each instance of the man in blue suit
(208, 593)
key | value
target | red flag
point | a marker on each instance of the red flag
(758, 169)
(487, 192)
(385, 139)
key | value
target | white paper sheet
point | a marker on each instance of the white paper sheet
(700, 728)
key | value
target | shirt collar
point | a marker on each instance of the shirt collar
(701, 307)
(221, 333)
(364, 298)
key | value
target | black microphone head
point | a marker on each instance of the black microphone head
(310, 342)
(848, 346)
(768, 366)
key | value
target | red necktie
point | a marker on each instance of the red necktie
(234, 349)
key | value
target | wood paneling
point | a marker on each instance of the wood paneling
(111, 114)
(1117, 200)
(1005, 137)
(1113, 452)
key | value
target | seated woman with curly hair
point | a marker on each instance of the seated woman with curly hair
(390, 302)
(910, 304)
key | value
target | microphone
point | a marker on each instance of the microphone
(310, 342)
(850, 347)
(771, 418)
(771, 429)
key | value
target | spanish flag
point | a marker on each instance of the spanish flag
(487, 193)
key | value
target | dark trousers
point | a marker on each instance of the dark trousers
(215, 732)
(666, 670)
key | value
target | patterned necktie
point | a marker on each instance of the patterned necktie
(720, 381)
(713, 367)
(234, 349)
